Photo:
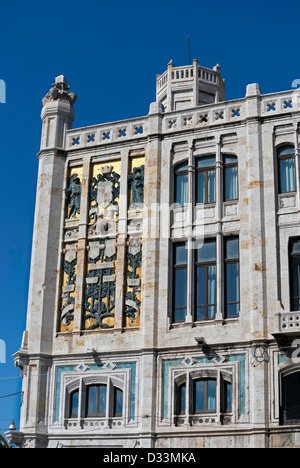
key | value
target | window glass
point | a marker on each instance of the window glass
(295, 245)
(207, 161)
(91, 400)
(74, 400)
(181, 399)
(118, 402)
(286, 150)
(180, 294)
(199, 396)
(180, 254)
(207, 252)
(287, 175)
(231, 247)
(211, 395)
(181, 196)
(201, 187)
(102, 400)
(212, 290)
(227, 396)
(232, 289)
(211, 186)
(231, 186)
(291, 398)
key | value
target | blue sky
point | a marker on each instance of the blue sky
(110, 53)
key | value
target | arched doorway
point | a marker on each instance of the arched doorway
(290, 413)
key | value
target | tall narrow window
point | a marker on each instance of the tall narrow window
(206, 179)
(74, 401)
(230, 178)
(118, 403)
(204, 395)
(180, 282)
(227, 388)
(286, 163)
(206, 277)
(181, 395)
(295, 274)
(96, 401)
(181, 184)
(232, 282)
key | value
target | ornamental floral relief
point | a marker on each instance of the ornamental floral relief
(99, 301)
(69, 268)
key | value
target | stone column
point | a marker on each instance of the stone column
(190, 242)
(219, 240)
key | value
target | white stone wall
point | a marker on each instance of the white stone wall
(148, 359)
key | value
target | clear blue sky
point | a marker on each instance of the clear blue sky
(110, 53)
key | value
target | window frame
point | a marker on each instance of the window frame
(228, 261)
(206, 380)
(180, 172)
(206, 264)
(284, 157)
(176, 267)
(292, 255)
(95, 415)
(205, 170)
(228, 166)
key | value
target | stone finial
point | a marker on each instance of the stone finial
(59, 92)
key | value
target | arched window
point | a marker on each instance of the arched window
(286, 166)
(181, 396)
(74, 403)
(96, 401)
(230, 178)
(181, 184)
(206, 179)
(291, 399)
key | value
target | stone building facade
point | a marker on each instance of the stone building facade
(163, 304)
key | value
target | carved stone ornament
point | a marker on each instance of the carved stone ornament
(59, 92)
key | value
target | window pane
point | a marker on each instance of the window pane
(295, 245)
(211, 196)
(200, 187)
(200, 286)
(91, 407)
(181, 196)
(207, 161)
(232, 280)
(227, 396)
(285, 150)
(212, 284)
(200, 313)
(230, 159)
(199, 396)
(180, 287)
(231, 192)
(118, 403)
(182, 167)
(181, 399)
(295, 270)
(180, 254)
(207, 252)
(291, 400)
(211, 395)
(287, 175)
(231, 247)
(102, 400)
(74, 400)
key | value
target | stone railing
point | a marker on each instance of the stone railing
(288, 322)
(106, 133)
(227, 112)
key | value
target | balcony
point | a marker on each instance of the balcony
(288, 327)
